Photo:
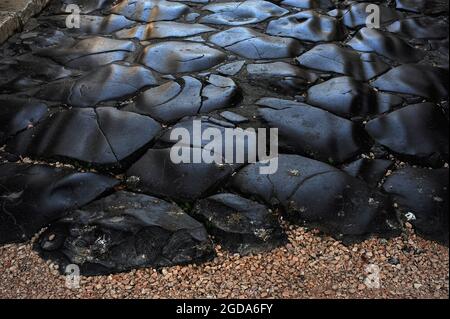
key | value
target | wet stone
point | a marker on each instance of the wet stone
(89, 53)
(370, 171)
(241, 13)
(309, 4)
(254, 45)
(419, 131)
(346, 208)
(356, 14)
(240, 225)
(32, 196)
(177, 57)
(280, 76)
(349, 98)
(102, 136)
(415, 79)
(422, 197)
(150, 10)
(125, 231)
(385, 44)
(164, 29)
(17, 114)
(305, 129)
(333, 58)
(156, 174)
(420, 28)
(109, 82)
(307, 26)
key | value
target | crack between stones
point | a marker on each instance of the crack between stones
(104, 135)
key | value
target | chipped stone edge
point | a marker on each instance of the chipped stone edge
(13, 21)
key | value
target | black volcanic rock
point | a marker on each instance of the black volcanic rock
(356, 14)
(307, 26)
(280, 76)
(420, 27)
(32, 196)
(333, 58)
(386, 44)
(89, 53)
(150, 10)
(87, 6)
(186, 97)
(347, 97)
(423, 6)
(102, 136)
(422, 197)
(370, 171)
(419, 131)
(309, 4)
(156, 174)
(254, 45)
(109, 82)
(415, 79)
(240, 13)
(92, 24)
(163, 29)
(320, 195)
(17, 114)
(177, 56)
(125, 231)
(240, 225)
(309, 130)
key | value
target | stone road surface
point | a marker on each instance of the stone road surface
(86, 114)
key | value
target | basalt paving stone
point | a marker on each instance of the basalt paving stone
(92, 24)
(17, 114)
(46, 38)
(422, 197)
(240, 225)
(423, 6)
(164, 29)
(234, 117)
(109, 82)
(333, 58)
(415, 79)
(281, 76)
(102, 136)
(150, 10)
(176, 99)
(89, 53)
(419, 131)
(232, 68)
(156, 174)
(346, 207)
(370, 171)
(32, 196)
(88, 6)
(28, 71)
(420, 28)
(125, 231)
(385, 44)
(305, 129)
(357, 14)
(254, 45)
(241, 13)
(177, 57)
(308, 26)
(349, 98)
(309, 4)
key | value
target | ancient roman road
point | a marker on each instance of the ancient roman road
(86, 114)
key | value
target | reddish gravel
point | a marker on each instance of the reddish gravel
(310, 266)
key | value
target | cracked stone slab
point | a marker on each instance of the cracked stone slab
(421, 27)
(346, 208)
(333, 58)
(240, 225)
(32, 196)
(309, 4)
(255, 45)
(309, 130)
(102, 136)
(150, 10)
(125, 231)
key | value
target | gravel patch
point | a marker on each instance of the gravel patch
(309, 266)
